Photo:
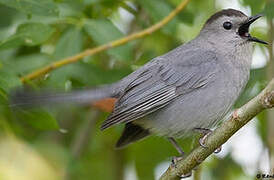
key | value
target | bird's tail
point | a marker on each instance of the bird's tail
(30, 98)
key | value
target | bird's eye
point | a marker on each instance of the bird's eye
(227, 25)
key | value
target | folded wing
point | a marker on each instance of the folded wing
(160, 84)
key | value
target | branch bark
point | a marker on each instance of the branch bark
(242, 116)
(270, 114)
(106, 46)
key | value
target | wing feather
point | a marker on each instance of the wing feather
(141, 108)
(160, 84)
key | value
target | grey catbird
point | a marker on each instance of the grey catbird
(192, 87)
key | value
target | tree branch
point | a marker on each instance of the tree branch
(220, 135)
(270, 114)
(106, 46)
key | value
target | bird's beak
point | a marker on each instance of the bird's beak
(243, 29)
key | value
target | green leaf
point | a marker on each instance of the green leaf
(39, 119)
(41, 7)
(218, 171)
(8, 80)
(261, 126)
(27, 63)
(256, 6)
(86, 74)
(103, 31)
(186, 16)
(29, 34)
(69, 44)
(9, 15)
(269, 10)
(159, 9)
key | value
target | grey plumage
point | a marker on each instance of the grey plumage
(158, 85)
(192, 86)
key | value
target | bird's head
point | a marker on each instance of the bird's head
(230, 26)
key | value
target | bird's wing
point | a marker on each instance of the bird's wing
(159, 84)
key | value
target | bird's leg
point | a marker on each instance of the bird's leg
(206, 132)
(176, 159)
(176, 145)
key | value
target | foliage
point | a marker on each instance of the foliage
(36, 33)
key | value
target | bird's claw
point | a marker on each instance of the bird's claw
(174, 161)
(219, 149)
(202, 140)
(186, 175)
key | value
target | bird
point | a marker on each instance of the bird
(190, 88)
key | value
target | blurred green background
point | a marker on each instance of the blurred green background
(65, 142)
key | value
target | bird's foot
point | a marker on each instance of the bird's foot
(206, 132)
(174, 161)
(177, 158)
(186, 175)
(180, 151)
(173, 164)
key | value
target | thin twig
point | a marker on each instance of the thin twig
(220, 135)
(83, 136)
(81, 140)
(106, 46)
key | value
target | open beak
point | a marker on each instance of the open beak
(243, 29)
